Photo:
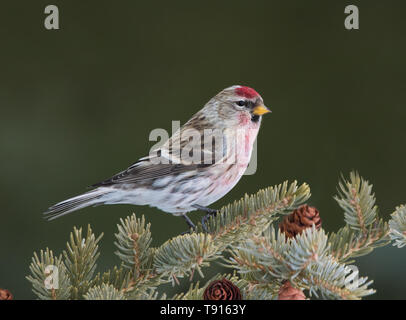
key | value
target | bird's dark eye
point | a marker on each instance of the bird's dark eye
(241, 103)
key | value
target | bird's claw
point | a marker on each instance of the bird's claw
(210, 212)
(205, 218)
(187, 232)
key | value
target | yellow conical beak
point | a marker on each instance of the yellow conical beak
(260, 110)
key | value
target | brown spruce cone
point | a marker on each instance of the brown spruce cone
(300, 219)
(5, 295)
(287, 292)
(222, 290)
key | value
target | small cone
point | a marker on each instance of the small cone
(287, 292)
(302, 218)
(222, 290)
(5, 295)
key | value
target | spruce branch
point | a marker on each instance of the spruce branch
(118, 277)
(145, 289)
(262, 258)
(109, 292)
(145, 293)
(252, 214)
(335, 280)
(273, 256)
(80, 260)
(303, 260)
(261, 292)
(134, 249)
(184, 254)
(306, 248)
(397, 225)
(195, 292)
(49, 278)
(364, 230)
(133, 244)
(104, 292)
(234, 223)
(355, 197)
(348, 243)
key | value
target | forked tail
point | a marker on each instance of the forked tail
(84, 200)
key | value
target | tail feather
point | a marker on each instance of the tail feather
(84, 200)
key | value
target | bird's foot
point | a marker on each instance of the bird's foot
(205, 209)
(204, 220)
(210, 213)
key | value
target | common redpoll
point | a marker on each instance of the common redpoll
(197, 166)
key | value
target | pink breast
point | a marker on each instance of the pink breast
(244, 119)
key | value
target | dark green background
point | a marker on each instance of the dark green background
(78, 104)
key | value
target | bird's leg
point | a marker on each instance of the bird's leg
(189, 223)
(205, 209)
(210, 212)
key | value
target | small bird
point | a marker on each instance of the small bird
(220, 137)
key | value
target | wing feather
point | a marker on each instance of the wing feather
(168, 160)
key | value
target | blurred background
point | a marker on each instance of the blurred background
(78, 104)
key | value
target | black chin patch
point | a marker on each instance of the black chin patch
(254, 118)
